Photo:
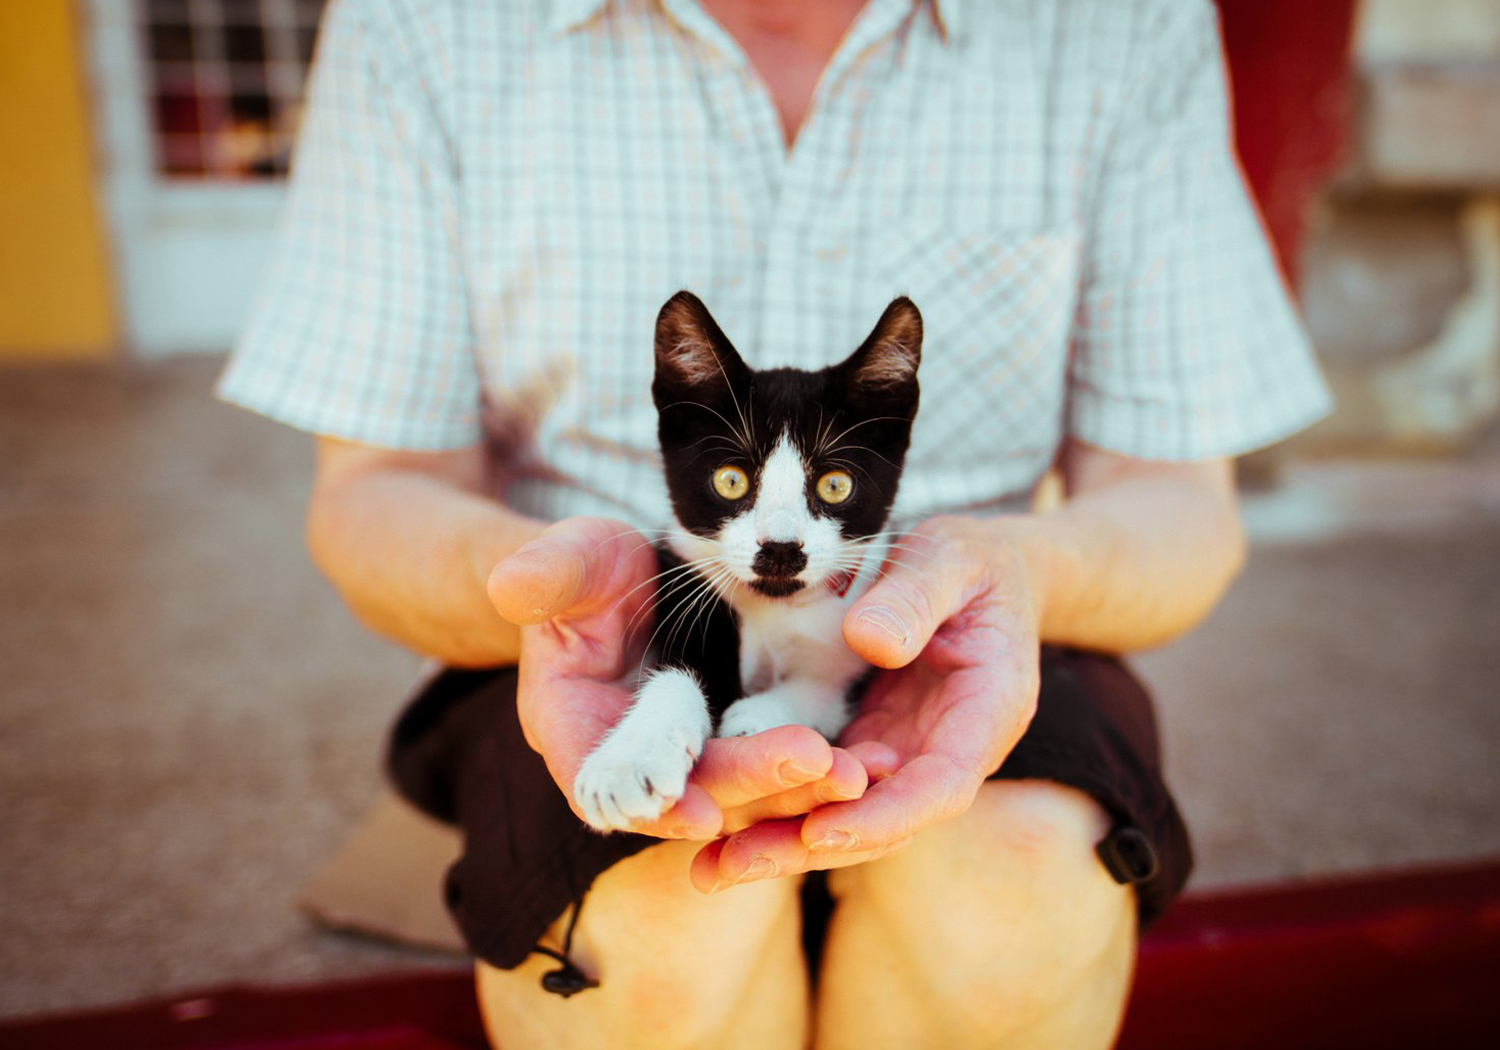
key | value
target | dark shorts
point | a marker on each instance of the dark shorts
(458, 753)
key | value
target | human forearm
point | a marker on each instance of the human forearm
(409, 542)
(1138, 554)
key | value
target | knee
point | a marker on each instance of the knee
(672, 965)
(1005, 912)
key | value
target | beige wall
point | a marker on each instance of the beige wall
(56, 289)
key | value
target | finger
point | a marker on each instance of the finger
(918, 590)
(577, 566)
(764, 851)
(928, 789)
(695, 816)
(770, 850)
(738, 770)
(845, 781)
(703, 872)
(879, 759)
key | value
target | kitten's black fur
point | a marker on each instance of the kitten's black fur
(715, 410)
(693, 410)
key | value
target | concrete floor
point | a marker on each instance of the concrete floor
(190, 721)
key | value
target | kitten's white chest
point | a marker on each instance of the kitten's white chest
(781, 640)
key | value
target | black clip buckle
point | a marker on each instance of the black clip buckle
(1127, 854)
(567, 981)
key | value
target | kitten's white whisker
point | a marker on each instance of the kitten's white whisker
(673, 575)
(725, 450)
(677, 571)
(851, 467)
(863, 422)
(747, 446)
(703, 598)
(677, 610)
(661, 607)
(824, 426)
(707, 606)
(862, 448)
(626, 532)
(747, 434)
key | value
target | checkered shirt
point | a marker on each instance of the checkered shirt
(492, 198)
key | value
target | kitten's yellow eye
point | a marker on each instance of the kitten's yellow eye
(835, 486)
(731, 482)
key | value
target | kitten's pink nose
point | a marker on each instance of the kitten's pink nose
(776, 558)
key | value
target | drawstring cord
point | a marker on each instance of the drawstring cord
(568, 980)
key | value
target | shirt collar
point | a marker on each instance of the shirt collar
(567, 15)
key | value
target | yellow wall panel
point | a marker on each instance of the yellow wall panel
(56, 289)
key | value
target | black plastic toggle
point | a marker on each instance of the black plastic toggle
(567, 981)
(1128, 855)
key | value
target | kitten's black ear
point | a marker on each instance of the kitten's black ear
(889, 356)
(692, 352)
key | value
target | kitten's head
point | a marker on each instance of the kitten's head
(780, 475)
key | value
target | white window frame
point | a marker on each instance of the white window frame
(188, 253)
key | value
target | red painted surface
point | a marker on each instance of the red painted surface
(1374, 963)
(427, 1011)
(1289, 68)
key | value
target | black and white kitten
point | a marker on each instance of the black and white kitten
(781, 481)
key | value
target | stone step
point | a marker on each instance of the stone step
(1430, 125)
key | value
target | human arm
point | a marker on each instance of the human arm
(409, 541)
(1137, 554)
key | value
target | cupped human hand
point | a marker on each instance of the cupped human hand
(583, 594)
(954, 622)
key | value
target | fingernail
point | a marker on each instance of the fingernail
(837, 840)
(536, 550)
(792, 773)
(831, 793)
(887, 622)
(546, 564)
(759, 868)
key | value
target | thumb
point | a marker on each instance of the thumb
(896, 618)
(577, 566)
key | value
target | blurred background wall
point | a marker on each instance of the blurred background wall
(58, 300)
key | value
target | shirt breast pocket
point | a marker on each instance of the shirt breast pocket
(997, 309)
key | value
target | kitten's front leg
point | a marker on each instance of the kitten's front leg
(640, 768)
(796, 702)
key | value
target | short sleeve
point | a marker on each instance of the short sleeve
(1186, 345)
(361, 328)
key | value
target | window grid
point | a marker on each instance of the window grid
(225, 79)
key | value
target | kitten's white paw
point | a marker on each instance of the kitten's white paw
(640, 769)
(755, 714)
(812, 704)
(618, 785)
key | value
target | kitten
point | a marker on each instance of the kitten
(781, 481)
